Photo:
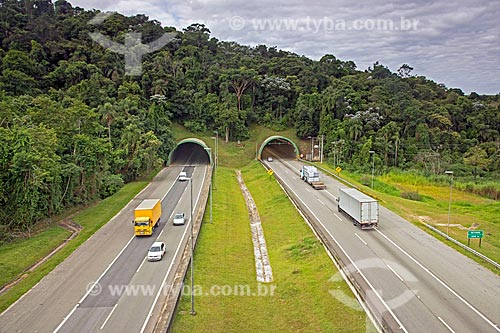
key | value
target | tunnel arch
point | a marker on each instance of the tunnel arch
(196, 142)
(278, 137)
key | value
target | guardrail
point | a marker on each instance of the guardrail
(382, 321)
(463, 246)
(172, 298)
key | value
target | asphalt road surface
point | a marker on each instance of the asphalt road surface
(417, 283)
(106, 285)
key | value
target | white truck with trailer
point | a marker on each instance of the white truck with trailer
(310, 175)
(361, 208)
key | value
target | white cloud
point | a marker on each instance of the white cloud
(455, 41)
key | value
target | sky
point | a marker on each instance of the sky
(454, 42)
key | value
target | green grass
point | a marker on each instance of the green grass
(301, 267)
(230, 154)
(18, 256)
(467, 209)
(91, 219)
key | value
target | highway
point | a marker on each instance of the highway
(106, 285)
(411, 281)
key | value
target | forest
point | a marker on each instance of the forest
(74, 126)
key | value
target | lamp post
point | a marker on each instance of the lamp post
(192, 246)
(211, 181)
(372, 153)
(312, 147)
(321, 148)
(334, 153)
(449, 205)
(216, 148)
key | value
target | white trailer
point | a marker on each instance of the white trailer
(310, 175)
(361, 208)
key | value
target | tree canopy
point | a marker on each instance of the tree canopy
(74, 126)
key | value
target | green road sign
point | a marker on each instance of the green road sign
(475, 234)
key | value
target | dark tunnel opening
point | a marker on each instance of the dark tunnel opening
(189, 153)
(279, 148)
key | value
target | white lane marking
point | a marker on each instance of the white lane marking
(361, 239)
(446, 325)
(395, 273)
(20, 298)
(109, 266)
(169, 268)
(142, 263)
(109, 316)
(308, 190)
(163, 197)
(334, 197)
(442, 283)
(90, 289)
(337, 216)
(321, 202)
(401, 326)
(163, 282)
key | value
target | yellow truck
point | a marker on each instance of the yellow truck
(146, 217)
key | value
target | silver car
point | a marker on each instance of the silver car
(183, 176)
(156, 251)
(179, 219)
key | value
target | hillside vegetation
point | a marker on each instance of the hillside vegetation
(74, 127)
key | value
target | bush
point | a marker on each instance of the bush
(411, 195)
(366, 180)
(196, 126)
(111, 184)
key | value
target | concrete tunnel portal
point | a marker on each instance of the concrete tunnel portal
(280, 147)
(191, 151)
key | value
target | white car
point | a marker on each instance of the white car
(183, 176)
(179, 219)
(269, 159)
(156, 251)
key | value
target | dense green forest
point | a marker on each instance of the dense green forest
(74, 126)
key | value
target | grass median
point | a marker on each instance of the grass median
(227, 296)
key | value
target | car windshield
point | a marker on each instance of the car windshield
(142, 224)
(155, 249)
(178, 216)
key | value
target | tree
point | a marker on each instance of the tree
(477, 159)
(405, 71)
(108, 114)
(240, 80)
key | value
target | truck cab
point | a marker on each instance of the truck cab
(146, 217)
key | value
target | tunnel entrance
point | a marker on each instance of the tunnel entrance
(278, 147)
(190, 151)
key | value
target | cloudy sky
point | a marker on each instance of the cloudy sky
(455, 42)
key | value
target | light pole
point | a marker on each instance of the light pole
(372, 153)
(192, 246)
(312, 147)
(211, 181)
(321, 148)
(216, 148)
(449, 205)
(334, 153)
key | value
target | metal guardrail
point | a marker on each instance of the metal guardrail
(380, 320)
(453, 240)
(463, 246)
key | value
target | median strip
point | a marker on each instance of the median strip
(262, 264)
